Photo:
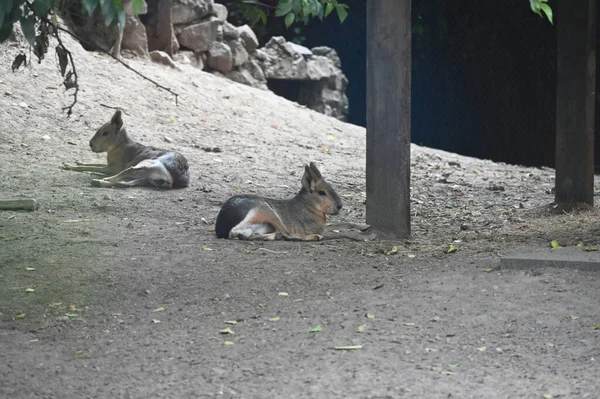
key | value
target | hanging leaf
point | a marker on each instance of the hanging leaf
(90, 6)
(18, 61)
(137, 6)
(63, 59)
(341, 12)
(283, 8)
(289, 19)
(328, 9)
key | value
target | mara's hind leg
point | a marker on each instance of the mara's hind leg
(255, 226)
(146, 172)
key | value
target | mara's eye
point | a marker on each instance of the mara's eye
(105, 133)
(322, 193)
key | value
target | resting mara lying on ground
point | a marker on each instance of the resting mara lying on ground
(133, 164)
(302, 217)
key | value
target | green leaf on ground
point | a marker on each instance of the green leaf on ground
(554, 244)
(316, 329)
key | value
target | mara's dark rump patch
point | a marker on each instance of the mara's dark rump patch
(233, 211)
(177, 166)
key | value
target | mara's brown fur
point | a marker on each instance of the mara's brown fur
(302, 217)
(129, 163)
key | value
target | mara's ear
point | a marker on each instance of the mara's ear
(117, 120)
(308, 179)
(313, 167)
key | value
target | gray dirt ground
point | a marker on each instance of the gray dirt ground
(132, 288)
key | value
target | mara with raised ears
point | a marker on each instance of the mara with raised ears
(302, 217)
(129, 163)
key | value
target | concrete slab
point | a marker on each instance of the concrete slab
(568, 257)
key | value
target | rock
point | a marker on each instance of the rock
(282, 61)
(260, 55)
(199, 36)
(230, 32)
(220, 58)
(186, 11)
(162, 58)
(220, 33)
(184, 57)
(174, 43)
(248, 37)
(250, 74)
(134, 36)
(300, 49)
(221, 12)
(319, 68)
(329, 53)
(238, 52)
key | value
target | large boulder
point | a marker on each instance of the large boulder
(199, 36)
(186, 11)
(248, 37)
(220, 58)
(230, 32)
(134, 36)
(221, 12)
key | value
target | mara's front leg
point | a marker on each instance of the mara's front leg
(88, 167)
(307, 237)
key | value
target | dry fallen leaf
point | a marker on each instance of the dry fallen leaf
(274, 319)
(409, 324)
(430, 350)
(370, 316)
(229, 343)
(230, 322)
(482, 349)
(155, 321)
(226, 331)
(360, 329)
(283, 294)
(30, 269)
(161, 309)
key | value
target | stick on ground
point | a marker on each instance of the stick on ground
(28, 204)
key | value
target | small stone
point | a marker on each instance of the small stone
(7, 93)
(46, 137)
(168, 139)
(23, 105)
(499, 350)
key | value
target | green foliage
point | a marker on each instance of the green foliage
(30, 13)
(541, 6)
(291, 11)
